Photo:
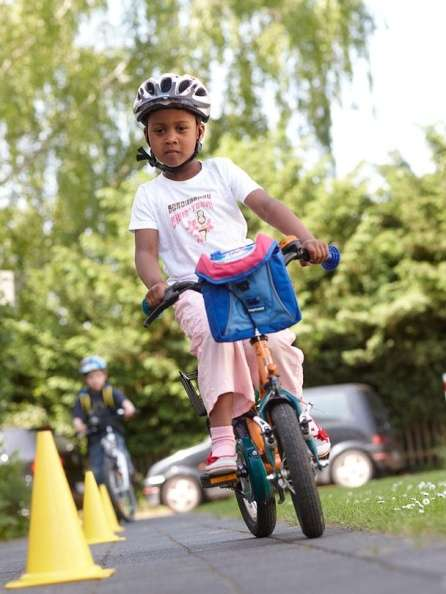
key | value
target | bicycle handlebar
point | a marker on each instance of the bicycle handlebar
(292, 250)
(170, 297)
(96, 422)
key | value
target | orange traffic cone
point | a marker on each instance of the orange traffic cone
(57, 550)
(96, 526)
(109, 511)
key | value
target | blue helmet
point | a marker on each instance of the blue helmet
(92, 363)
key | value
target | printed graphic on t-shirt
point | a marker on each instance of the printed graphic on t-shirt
(193, 215)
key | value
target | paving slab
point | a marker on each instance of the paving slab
(201, 554)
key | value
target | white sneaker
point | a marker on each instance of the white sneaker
(221, 464)
(311, 429)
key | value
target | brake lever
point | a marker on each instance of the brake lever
(293, 250)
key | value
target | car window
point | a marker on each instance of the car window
(329, 405)
(378, 409)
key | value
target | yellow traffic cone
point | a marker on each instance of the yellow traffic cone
(96, 526)
(57, 550)
(109, 511)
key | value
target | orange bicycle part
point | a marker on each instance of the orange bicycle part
(287, 240)
(277, 464)
(265, 364)
(256, 435)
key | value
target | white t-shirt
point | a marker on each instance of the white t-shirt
(195, 216)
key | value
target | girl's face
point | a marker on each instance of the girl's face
(96, 379)
(172, 135)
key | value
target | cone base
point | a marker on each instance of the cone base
(100, 540)
(57, 577)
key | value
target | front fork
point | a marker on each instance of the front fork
(275, 394)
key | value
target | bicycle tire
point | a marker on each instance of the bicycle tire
(260, 518)
(296, 456)
(123, 500)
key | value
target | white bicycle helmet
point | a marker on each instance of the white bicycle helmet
(172, 90)
(92, 363)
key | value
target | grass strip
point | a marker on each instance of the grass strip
(411, 504)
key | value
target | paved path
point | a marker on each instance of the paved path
(201, 554)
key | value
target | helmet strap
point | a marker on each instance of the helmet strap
(143, 155)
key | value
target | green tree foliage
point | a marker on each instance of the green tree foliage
(70, 76)
(14, 500)
(85, 299)
(381, 319)
(70, 72)
(378, 319)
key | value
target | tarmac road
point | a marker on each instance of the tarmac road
(201, 554)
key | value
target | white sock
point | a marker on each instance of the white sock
(223, 441)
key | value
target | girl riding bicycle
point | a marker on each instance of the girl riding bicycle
(192, 208)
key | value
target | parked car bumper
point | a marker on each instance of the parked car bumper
(388, 461)
(152, 489)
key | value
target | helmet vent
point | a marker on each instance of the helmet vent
(184, 84)
(201, 92)
(150, 88)
(166, 84)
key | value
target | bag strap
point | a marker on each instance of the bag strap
(85, 401)
(107, 397)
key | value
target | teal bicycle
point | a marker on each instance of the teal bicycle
(275, 451)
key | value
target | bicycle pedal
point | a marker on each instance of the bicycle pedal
(218, 480)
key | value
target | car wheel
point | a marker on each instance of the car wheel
(352, 468)
(181, 493)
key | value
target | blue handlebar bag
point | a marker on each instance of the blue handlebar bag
(247, 290)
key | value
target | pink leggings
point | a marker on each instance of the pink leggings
(231, 366)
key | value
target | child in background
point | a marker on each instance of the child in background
(100, 400)
(190, 208)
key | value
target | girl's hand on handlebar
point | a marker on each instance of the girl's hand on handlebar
(317, 250)
(156, 293)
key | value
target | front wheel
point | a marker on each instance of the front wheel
(260, 518)
(297, 470)
(119, 485)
